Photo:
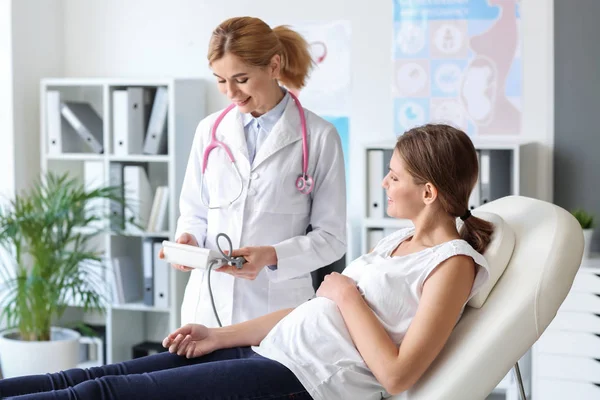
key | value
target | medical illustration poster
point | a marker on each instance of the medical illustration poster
(458, 62)
(327, 91)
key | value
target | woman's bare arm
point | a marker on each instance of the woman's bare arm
(252, 332)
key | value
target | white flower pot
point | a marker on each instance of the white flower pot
(20, 357)
(587, 242)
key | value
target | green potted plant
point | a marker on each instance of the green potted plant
(586, 220)
(48, 264)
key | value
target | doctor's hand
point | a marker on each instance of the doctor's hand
(184, 238)
(257, 258)
(338, 288)
(191, 340)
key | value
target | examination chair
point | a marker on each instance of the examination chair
(534, 256)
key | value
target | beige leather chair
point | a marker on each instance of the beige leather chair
(535, 253)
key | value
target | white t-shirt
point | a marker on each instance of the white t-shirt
(314, 342)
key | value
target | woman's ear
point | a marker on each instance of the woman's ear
(430, 193)
(275, 66)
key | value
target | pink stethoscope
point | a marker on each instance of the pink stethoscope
(304, 182)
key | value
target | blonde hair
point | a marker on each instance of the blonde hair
(253, 41)
(446, 157)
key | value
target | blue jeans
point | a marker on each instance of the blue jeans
(236, 373)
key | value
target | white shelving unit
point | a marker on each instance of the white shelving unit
(566, 358)
(518, 160)
(130, 324)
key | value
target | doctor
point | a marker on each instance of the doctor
(271, 169)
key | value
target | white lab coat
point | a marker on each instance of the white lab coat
(270, 211)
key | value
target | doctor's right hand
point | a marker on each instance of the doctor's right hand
(184, 238)
(192, 340)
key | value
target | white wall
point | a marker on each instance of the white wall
(31, 43)
(154, 38)
(7, 181)
(37, 53)
(7, 184)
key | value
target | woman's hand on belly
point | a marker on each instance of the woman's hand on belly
(338, 287)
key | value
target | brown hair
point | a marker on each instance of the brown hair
(256, 43)
(446, 157)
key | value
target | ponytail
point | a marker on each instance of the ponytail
(477, 232)
(296, 61)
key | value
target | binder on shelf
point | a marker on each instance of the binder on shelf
(475, 197)
(86, 122)
(484, 176)
(138, 198)
(500, 173)
(158, 214)
(60, 135)
(92, 348)
(117, 217)
(90, 352)
(156, 134)
(117, 295)
(161, 278)
(154, 210)
(376, 194)
(127, 286)
(387, 157)
(53, 122)
(495, 174)
(129, 120)
(147, 260)
(93, 176)
(162, 220)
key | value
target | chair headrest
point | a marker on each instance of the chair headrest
(497, 254)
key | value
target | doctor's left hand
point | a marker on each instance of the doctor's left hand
(338, 288)
(257, 258)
